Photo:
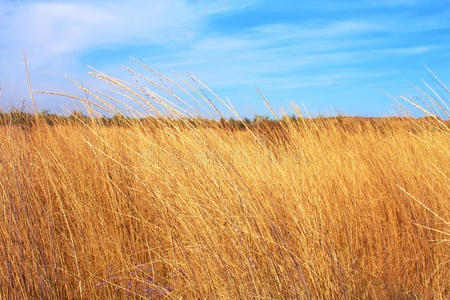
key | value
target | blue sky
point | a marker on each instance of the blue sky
(324, 55)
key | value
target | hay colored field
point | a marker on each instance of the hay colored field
(324, 208)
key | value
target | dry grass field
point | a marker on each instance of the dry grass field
(325, 208)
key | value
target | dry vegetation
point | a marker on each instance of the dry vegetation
(299, 208)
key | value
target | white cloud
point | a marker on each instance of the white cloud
(46, 29)
(318, 51)
(333, 29)
(55, 33)
(408, 50)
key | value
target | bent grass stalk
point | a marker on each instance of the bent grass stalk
(318, 208)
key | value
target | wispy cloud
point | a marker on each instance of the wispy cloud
(54, 28)
(336, 44)
(56, 33)
(409, 50)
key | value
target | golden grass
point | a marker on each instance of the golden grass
(331, 208)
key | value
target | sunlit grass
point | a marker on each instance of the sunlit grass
(181, 207)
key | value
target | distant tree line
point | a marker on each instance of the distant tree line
(17, 117)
